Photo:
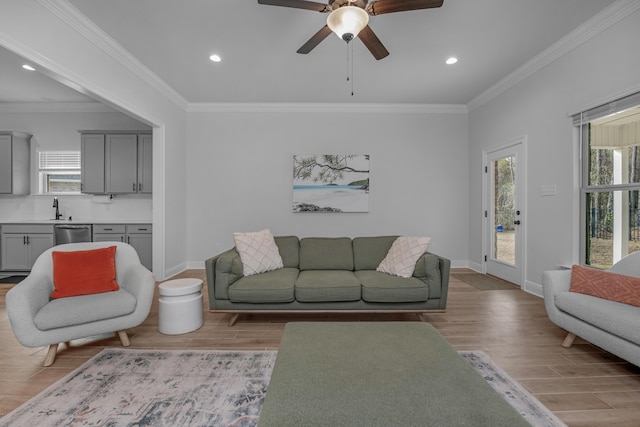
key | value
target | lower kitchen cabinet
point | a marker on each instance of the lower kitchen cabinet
(22, 244)
(137, 235)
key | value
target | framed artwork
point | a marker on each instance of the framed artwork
(331, 183)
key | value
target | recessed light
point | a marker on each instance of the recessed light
(215, 58)
(28, 67)
(451, 61)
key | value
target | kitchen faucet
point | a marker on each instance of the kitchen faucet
(55, 205)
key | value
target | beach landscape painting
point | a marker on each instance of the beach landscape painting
(331, 183)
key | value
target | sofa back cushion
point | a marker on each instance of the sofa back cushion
(368, 252)
(289, 247)
(326, 253)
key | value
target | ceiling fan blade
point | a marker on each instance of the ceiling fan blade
(298, 4)
(373, 43)
(390, 6)
(315, 40)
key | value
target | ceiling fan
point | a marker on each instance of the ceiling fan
(350, 18)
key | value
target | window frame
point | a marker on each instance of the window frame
(583, 122)
(64, 168)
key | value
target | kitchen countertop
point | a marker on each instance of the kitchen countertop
(74, 221)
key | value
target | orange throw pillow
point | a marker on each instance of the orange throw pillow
(84, 272)
(605, 284)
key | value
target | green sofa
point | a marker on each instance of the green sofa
(327, 274)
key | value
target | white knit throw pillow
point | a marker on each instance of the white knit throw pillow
(258, 252)
(403, 255)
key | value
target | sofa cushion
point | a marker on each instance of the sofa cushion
(616, 318)
(289, 247)
(402, 256)
(383, 287)
(258, 252)
(326, 253)
(605, 284)
(272, 286)
(327, 286)
(368, 252)
(78, 310)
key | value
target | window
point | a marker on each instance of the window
(59, 172)
(610, 181)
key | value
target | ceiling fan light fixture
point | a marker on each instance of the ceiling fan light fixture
(347, 22)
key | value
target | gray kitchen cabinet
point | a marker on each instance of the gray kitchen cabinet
(145, 164)
(14, 163)
(92, 164)
(22, 244)
(137, 235)
(140, 237)
(121, 164)
(109, 233)
(117, 162)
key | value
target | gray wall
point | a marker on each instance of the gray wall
(240, 175)
(599, 70)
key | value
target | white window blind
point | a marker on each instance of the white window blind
(604, 110)
(67, 160)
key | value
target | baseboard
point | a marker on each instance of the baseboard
(533, 288)
(476, 267)
(170, 272)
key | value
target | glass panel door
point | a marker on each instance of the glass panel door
(504, 209)
(504, 213)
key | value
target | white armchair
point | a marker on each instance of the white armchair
(38, 321)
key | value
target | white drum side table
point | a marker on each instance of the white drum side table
(180, 306)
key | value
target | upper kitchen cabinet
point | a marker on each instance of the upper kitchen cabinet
(116, 163)
(14, 163)
(92, 164)
(145, 162)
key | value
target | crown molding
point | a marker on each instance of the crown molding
(90, 31)
(55, 107)
(232, 107)
(594, 26)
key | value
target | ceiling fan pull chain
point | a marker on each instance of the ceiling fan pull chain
(348, 76)
(352, 61)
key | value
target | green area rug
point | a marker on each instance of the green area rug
(484, 282)
(128, 387)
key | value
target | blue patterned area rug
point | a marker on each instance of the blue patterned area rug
(122, 387)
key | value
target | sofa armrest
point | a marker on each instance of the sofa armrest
(140, 283)
(434, 271)
(553, 283)
(23, 301)
(222, 270)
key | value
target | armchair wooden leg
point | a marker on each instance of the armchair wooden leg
(51, 355)
(124, 338)
(568, 341)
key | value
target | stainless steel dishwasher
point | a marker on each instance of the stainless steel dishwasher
(71, 233)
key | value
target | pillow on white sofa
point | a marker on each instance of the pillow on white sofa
(258, 252)
(403, 255)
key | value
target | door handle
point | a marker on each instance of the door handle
(517, 222)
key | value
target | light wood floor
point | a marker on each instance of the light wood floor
(583, 385)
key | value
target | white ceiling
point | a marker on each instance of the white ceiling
(258, 43)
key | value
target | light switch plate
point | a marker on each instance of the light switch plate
(548, 190)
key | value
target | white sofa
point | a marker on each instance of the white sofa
(610, 325)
